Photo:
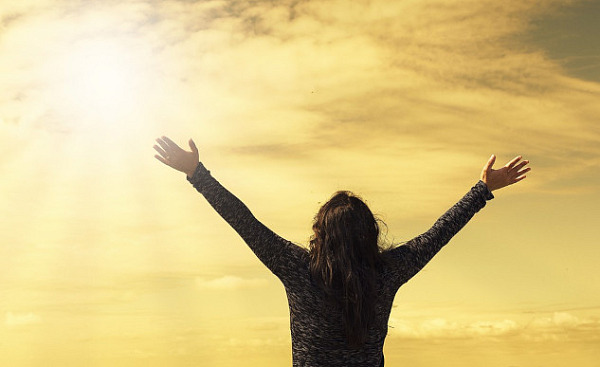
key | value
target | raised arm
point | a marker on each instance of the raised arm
(268, 246)
(410, 258)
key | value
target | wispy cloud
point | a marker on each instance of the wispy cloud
(323, 74)
(553, 327)
(443, 328)
(285, 79)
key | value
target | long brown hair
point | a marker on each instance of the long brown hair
(344, 251)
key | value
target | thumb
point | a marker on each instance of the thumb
(490, 163)
(193, 146)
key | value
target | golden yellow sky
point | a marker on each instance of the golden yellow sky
(109, 258)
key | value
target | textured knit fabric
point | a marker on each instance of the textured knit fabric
(317, 328)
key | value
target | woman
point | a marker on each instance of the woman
(340, 291)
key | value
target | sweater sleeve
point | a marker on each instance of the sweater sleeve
(272, 250)
(408, 259)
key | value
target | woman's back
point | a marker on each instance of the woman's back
(317, 325)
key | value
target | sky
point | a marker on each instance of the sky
(110, 258)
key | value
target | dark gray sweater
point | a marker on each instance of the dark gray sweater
(318, 336)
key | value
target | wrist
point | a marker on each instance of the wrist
(489, 186)
(191, 170)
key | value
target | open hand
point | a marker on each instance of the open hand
(175, 157)
(511, 173)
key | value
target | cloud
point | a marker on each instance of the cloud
(230, 282)
(21, 319)
(442, 328)
(562, 326)
(270, 76)
(288, 81)
(556, 327)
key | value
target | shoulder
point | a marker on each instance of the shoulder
(292, 260)
(294, 252)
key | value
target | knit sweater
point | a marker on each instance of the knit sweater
(317, 328)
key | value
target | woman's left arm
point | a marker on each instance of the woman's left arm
(411, 257)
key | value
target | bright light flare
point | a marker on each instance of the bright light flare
(101, 75)
(102, 81)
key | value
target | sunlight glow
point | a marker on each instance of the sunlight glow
(102, 81)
